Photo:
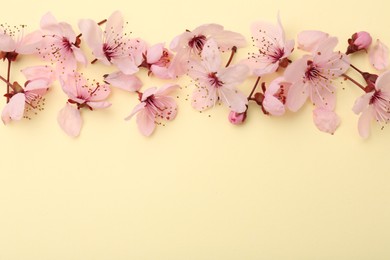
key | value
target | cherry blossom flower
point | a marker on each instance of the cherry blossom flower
(379, 55)
(374, 105)
(312, 75)
(310, 40)
(157, 60)
(275, 97)
(215, 83)
(111, 45)
(359, 41)
(60, 44)
(273, 48)
(189, 45)
(30, 98)
(13, 42)
(326, 120)
(156, 104)
(83, 96)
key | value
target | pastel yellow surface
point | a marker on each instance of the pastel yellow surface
(199, 188)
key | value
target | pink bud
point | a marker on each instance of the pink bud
(359, 41)
(237, 118)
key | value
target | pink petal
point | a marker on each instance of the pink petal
(126, 65)
(79, 55)
(310, 40)
(295, 70)
(297, 95)
(211, 56)
(92, 35)
(36, 72)
(364, 124)
(161, 72)
(114, 25)
(235, 100)
(179, 63)
(37, 84)
(264, 30)
(14, 110)
(167, 89)
(233, 75)
(7, 44)
(227, 39)
(323, 96)
(30, 43)
(137, 49)
(362, 103)
(129, 83)
(174, 45)
(379, 55)
(145, 122)
(47, 21)
(207, 29)
(203, 98)
(99, 104)
(171, 107)
(273, 106)
(147, 93)
(154, 53)
(383, 82)
(136, 109)
(326, 120)
(69, 119)
(100, 93)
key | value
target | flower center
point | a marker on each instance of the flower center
(312, 71)
(281, 94)
(197, 43)
(110, 50)
(214, 80)
(66, 44)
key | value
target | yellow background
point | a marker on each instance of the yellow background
(199, 188)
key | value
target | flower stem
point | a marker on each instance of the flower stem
(254, 88)
(8, 78)
(354, 81)
(355, 68)
(6, 82)
(234, 50)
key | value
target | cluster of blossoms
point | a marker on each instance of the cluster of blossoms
(198, 54)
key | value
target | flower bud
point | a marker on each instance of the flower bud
(359, 41)
(237, 118)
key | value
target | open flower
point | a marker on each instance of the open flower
(312, 75)
(273, 48)
(189, 45)
(82, 95)
(157, 59)
(216, 84)
(374, 105)
(111, 45)
(61, 44)
(156, 104)
(30, 98)
(13, 42)
(275, 97)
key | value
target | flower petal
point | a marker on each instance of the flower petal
(114, 26)
(273, 106)
(126, 65)
(362, 103)
(136, 109)
(235, 100)
(120, 80)
(70, 121)
(7, 44)
(310, 40)
(211, 56)
(167, 89)
(364, 124)
(297, 95)
(30, 43)
(145, 122)
(99, 104)
(326, 120)
(233, 75)
(14, 110)
(379, 55)
(203, 98)
(92, 35)
(154, 53)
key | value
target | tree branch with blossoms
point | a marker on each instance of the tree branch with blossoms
(200, 54)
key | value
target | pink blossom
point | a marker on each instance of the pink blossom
(379, 55)
(189, 45)
(156, 104)
(310, 40)
(374, 105)
(326, 120)
(111, 45)
(61, 44)
(157, 60)
(312, 75)
(275, 97)
(82, 95)
(237, 118)
(359, 41)
(30, 98)
(13, 42)
(273, 48)
(215, 83)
